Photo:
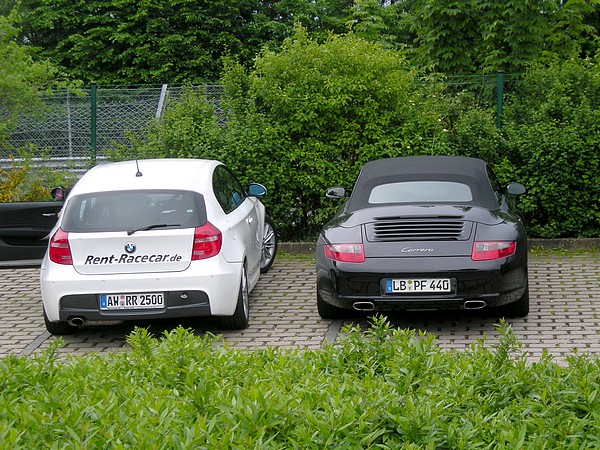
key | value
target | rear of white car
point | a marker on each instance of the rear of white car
(148, 239)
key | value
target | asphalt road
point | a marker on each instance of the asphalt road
(564, 315)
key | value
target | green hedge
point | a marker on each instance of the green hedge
(308, 117)
(383, 388)
(553, 138)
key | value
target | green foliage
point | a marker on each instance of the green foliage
(26, 181)
(167, 41)
(308, 117)
(138, 42)
(337, 105)
(163, 41)
(377, 388)
(553, 131)
(478, 36)
(21, 77)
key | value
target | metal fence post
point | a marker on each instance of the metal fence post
(500, 89)
(93, 125)
(69, 126)
(162, 101)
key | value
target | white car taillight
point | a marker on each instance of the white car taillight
(59, 251)
(207, 242)
(353, 253)
(485, 251)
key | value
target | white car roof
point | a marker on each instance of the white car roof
(186, 174)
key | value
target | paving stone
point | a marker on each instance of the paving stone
(564, 315)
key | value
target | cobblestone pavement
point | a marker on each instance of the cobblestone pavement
(564, 314)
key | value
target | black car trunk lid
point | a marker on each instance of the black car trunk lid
(422, 231)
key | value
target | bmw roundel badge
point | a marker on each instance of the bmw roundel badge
(130, 247)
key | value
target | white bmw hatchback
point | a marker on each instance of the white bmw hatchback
(150, 239)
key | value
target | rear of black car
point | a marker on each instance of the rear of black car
(435, 257)
(427, 232)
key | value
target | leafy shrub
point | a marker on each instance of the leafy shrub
(25, 182)
(308, 117)
(552, 128)
(382, 388)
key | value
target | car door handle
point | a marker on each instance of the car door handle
(250, 221)
(53, 214)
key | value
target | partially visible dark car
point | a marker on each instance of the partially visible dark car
(24, 231)
(424, 233)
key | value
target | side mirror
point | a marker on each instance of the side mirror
(335, 192)
(256, 190)
(58, 194)
(515, 189)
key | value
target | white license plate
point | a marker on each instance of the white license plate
(151, 300)
(418, 285)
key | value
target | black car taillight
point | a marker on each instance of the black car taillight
(207, 242)
(353, 253)
(59, 250)
(488, 250)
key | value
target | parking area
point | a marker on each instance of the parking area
(564, 315)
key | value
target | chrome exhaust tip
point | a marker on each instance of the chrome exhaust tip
(76, 321)
(475, 304)
(364, 306)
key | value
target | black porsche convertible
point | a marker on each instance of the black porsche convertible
(424, 233)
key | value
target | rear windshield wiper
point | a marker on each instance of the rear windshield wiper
(152, 227)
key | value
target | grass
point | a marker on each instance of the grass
(541, 251)
(384, 388)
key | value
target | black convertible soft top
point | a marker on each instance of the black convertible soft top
(470, 171)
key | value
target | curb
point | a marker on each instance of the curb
(302, 248)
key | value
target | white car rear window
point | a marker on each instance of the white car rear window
(421, 192)
(130, 210)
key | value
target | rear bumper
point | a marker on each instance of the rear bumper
(474, 285)
(177, 304)
(207, 288)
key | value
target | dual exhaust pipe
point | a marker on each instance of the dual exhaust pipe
(468, 304)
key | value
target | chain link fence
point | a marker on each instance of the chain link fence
(80, 127)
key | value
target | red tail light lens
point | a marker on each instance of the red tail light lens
(353, 253)
(485, 251)
(59, 251)
(207, 242)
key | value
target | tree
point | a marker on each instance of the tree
(142, 41)
(552, 127)
(307, 117)
(21, 78)
(471, 36)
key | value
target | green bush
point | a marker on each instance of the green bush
(26, 181)
(383, 388)
(305, 119)
(308, 117)
(552, 129)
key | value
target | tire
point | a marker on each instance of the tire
(327, 311)
(241, 316)
(58, 328)
(269, 246)
(520, 308)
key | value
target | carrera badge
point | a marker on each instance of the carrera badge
(130, 247)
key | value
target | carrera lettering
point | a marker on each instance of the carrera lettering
(416, 250)
(124, 258)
